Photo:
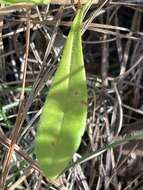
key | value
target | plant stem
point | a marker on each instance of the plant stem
(66, 2)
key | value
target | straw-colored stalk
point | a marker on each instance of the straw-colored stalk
(68, 2)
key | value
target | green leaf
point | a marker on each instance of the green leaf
(63, 119)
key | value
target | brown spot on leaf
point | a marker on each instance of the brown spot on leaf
(53, 144)
(76, 93)
(83, 102)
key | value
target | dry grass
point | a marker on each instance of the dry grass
(30, 47)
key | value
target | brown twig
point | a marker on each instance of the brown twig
(68, 2)
(16, 129)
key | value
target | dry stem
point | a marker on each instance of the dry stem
(66, 2)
